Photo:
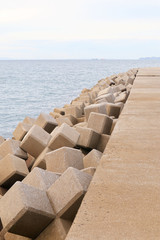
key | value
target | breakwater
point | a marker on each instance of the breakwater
(47, 167)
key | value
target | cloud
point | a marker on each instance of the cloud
(73, 20)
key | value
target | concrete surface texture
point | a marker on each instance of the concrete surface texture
(122, 202)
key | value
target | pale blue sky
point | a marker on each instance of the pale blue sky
(73, 29)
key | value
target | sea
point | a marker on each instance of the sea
(29, 87)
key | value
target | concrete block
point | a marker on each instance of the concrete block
(60, 111)
(21, 130)
(100, 123)
(64, 136)
(99, 108)
(40, 178)
(78, 104)
(12, 169)
(89, 170)
(130, 80)
(68, 191)
(55, 115)
(29, 120)
(35, 141)
(109, 97)
(119, 80)
(40, 160)
(28, 210)
(64, 119)
(57, 230)
(92, 159)
(13, 147)
(47, 122)
(104, 138)
(121, 98)
(113, 110)
(1, 140)
(85, 98)
(75, 111)
(121, 87)
(88, 137)
(62, 158)
(105, 91)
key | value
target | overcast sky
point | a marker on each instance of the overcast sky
(73, 29)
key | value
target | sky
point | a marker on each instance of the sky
(79, 29)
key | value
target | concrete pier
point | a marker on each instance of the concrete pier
(123, 200)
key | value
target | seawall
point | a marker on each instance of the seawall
(122, 201)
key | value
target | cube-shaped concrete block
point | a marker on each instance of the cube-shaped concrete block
(105, 91)
(35, 141)
(13, 147)
(113, 110)
(121, 98)
(40, 160)
(85, 98)
(109, 97)
(21, 130)
(89, 170)
(130, 80)
(75, 111)
(104, 138)
(47, 122)
(79, 104)
(57, 230)
(40, 178)
(88, 137)
(25, 210)
(62, 158)
(55, 115)
(121, 87)
(100, 123)
(99, 108)
(11, 236)
(68, 191)
(92, 159)
(1, 140)
(59, 110)
(64, 119)
(63, 136)
(29, 120)
(12, 169)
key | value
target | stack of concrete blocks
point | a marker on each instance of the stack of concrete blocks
(44, 205)
(61, 151)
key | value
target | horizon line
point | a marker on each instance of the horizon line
(62, 59)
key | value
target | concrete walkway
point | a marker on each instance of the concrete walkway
(123, 200)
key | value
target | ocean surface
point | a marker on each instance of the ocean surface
(29, 87)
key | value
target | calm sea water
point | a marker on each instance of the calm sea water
(30, 87)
